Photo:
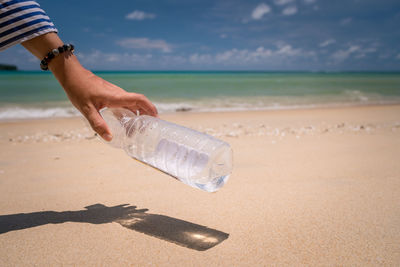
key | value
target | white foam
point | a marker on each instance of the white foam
(8, 113)
(222, 104)
(163, 107)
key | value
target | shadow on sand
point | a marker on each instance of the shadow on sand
(177, 231)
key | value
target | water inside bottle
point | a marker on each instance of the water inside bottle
(186, 164)
(179, 160)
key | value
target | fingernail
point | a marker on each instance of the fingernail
(107, 137)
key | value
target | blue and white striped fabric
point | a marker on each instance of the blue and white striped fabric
(22, 20)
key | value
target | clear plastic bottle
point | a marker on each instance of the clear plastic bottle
(195, 158)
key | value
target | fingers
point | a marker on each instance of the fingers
(145, 105)
(136, 102)
(98, 124)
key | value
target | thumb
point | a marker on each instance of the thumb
(98, 124)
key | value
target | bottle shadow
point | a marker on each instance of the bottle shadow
(180, 232)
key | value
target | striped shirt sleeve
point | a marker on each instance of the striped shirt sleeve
(22, 20)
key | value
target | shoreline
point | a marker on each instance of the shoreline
(178, 112)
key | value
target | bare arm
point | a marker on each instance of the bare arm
(87, 92)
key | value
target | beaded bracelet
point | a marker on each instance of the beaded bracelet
(44, 64)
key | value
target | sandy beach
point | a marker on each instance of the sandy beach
(309, 187)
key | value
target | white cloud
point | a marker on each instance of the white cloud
(362, 52)
(342, 55)
(370, 50)
(260, 11)
(356, 51)
(288, 11)
(237, 56)
(200, 58)
(282, 2)
(282, 54)
(310, 1)
(345, 21)
(288, 50)
(96, 58)
(172, 60)
(260, 55)
(145, 43)
(223, 36)
(224, 56)
(327, 42)
(140, 15)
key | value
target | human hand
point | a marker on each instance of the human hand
(90, 93)
(87, 92)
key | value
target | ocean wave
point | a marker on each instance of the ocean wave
(356, 95)
(225, 104)
(9, 113)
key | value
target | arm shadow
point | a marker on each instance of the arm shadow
(183, 233)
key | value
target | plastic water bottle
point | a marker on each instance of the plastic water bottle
(195, 158)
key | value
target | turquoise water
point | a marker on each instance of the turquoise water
(37, 94)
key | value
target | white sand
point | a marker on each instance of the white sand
(309, 187)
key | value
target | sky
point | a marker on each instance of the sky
(271, 35)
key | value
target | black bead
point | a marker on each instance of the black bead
(65, 47)
(44, 66)
(72, 47)
(50, 55)
(61, 49)
(44, 62)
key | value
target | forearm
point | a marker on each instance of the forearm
(64, 66)
(41, 45)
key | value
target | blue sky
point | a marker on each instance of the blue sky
(313, 35)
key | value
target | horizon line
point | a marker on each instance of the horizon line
(232, 71)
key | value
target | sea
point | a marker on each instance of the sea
(32, 94)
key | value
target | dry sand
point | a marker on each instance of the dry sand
(309, 187)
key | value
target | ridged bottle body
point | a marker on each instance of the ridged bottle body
(195, 158)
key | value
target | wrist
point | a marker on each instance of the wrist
(66, 67)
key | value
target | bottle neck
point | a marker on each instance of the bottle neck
(120, 122)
